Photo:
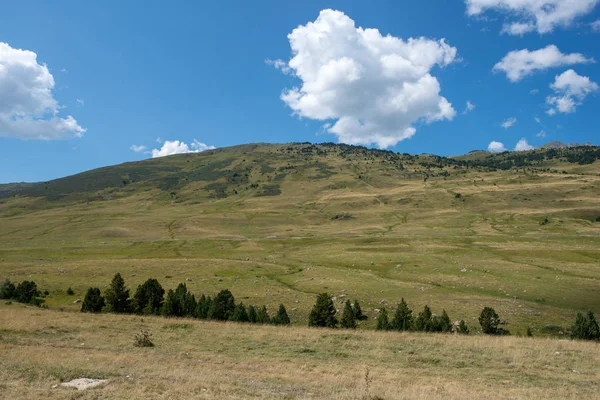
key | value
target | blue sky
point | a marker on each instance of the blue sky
(128, 73)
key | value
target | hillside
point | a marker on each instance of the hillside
(280, 223)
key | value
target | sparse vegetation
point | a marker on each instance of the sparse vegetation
(142, 339)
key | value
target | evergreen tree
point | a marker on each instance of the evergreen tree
(171, 306)
(7, 290)
(441, 323)
(489, 321)
(462, 327)
(262, 316)
(189, 305)
(403, 317)
(383, 322)
(358, 314)
(93, 301)
(201, 308)
(528, 333)
(323, 312)
(348, 320)
(27, 292)
(148, 297)
(252, 315)
(281, 318)
(585, 327)
(423, 322)
(239, 313)
(222, 306)
(117, 296)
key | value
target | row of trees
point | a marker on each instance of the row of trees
(25, 292)
(149, 299)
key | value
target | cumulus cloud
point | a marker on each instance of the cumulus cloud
(521, 63)
(28, 110)
(596, 25)
(496, 147)
(570, 90)
(522, 145)
(280, 65)
(542, 16)
(509, 122)
(469, 107)
(372, 88)
(176, 147)
(541, 134)
(137, 149)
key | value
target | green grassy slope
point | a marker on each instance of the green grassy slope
(279, 223)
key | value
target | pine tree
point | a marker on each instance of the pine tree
(281, 318)
(222, 306)
(462, 327)
(7, 290)
(358, 314)
(93, 301)
(171, 306)
(383, 322)
(189, 305)
(252, 316)
(528, 333)
(201, 309)
(117, 296)
(148, 297)
(403, 317)
(441, 323)
(489, 321)
(423, 322)
(323, 312)
(348, 320)
(239, 313)
(26, 292)
(262, 316)
(585, 327)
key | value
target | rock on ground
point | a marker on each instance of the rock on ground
(83, 383)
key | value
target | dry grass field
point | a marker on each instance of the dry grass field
(210, 360)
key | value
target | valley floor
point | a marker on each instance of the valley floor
(39, 348)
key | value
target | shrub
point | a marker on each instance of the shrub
(27, 292)
(402, 317)
(7, 290)
(281, 318)
(70, 291)
(323, 312)
(358, 311)
(252, 315)
(93, 301)
(171, 306)
(348, 320)
(222, 306)
(462, 328)
(142, 339)
(424, 322)
(202, 307)
(239, 313)
(148, 298)
(529, 333)
(383, 323)
(585, 327)
(489, 321)
(262, 316)
(441, 323)
(117, 296)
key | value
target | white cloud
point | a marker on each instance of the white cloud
(81, 102)
(542, 16)
(137, 149)
(522, 145)
(596, 25)
(177, 147)
(159, 140)
(373, 88)
(536, 119)
(280, 65)
(469, 107)
(63, 70)
(521, 63)
(570, 90)
(28, 109)
(533, 92)
(541, 134)
(507, 123)
(496, 147)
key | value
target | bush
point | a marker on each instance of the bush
(27, 292)
(239, 313)
(70, 291)
(93, 301)
(203, 306)
(148, 298)
(262, 316)
(383, 323)
(529, 333)
(7, 290)
(117, 296)
(402, 317)
(281, 318)
(348, 320)
(252, 315)
(323, 312)
(424, 322)
(462, 328)
(358, 311)
(142, 339)
(585, 327)
(441, 323)
(222, 306)
(489, 321)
